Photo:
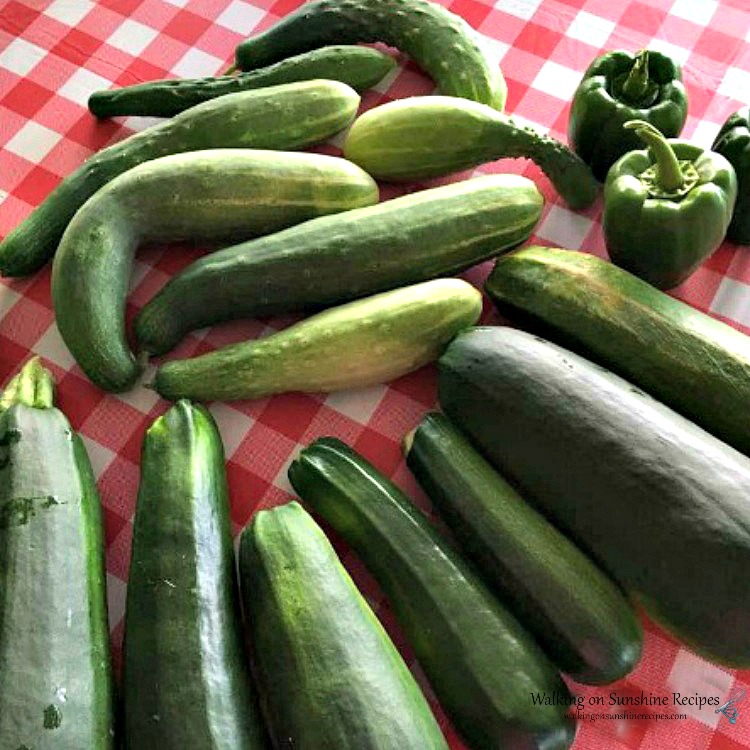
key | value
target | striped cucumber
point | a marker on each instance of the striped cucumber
(369, 341)
(330, 260)
(440, 42)
(430, 136)
(55, 674)
(213, 196)
(285, 117)
(359, 67)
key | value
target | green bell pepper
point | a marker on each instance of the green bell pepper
(618, 87)
(733, 143)
(666, 209)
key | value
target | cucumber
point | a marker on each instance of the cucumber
(186, 676)
(661, 504)
(440, 42)
(690, 361)
(482, 665)
(369, 341)
(430, 136)
(359, 67)
(55, 676)
(213, 196)
(284, 117)
(330, 260)
(330, 674)
(576, 613)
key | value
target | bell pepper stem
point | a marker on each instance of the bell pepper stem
(636, 84)
(668, 173)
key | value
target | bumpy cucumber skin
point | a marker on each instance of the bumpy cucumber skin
(440, 42)
(359, 67)
(363, 343)
(430, 136)
(330, 674)
(186, 675)
(480, 662)
(54, 636)
(214, 196)
(286, 117)
(577, 614)
(330, 260)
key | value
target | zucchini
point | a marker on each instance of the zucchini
(369, 341)
(430, 136)
(440, 42)
(576, 613)
(482, 665)
(661, 504)
(330, 260)
(690, 361)
(211, 196)
(331, 676)
(186, 676)
(55, 680)
(284, 117)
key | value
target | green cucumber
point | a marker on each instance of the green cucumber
(331, 676)
(690, 361)
(430, 136)
(186, 675)
(576, 613)
(359, 67)
(286, 117)
(330, 260)
(211, 196)
(440, 42)
(658, 502)
(55, 674)
(482, 665)
(369, 341)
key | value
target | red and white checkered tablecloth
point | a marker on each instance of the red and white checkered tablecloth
(54, 54)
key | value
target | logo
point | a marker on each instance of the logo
(729, 709)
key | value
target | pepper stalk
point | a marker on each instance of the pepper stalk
(669, 177)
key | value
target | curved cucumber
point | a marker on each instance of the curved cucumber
(335, 259)
(483, 666)
(576, 613)
(55, 675)
(284, 117)
(214, 196)
(430, 136)
(186, 675)
(359, 67)
(330, 674)
(369, 341)
(440, 42)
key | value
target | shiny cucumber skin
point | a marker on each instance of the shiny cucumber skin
(482, 665)
(661, 504)
(358, 67)
(577, 614)
(330, 260)
(362, 343)
(186, 675)
(211, 196)
(686, 359)
(56, 690)
(447, 48)
(286, 117)
(330, 674)
(421, 137)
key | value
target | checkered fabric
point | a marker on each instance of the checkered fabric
(54, 54)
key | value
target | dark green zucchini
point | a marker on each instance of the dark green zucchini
(483, 666)
(359, 67)
(55, 673)
(576, 613)
(661, 504)
(186, 676)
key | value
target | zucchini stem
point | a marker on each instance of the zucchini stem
(33, 386)
(669, 176)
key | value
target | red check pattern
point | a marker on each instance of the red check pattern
(54, 54)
